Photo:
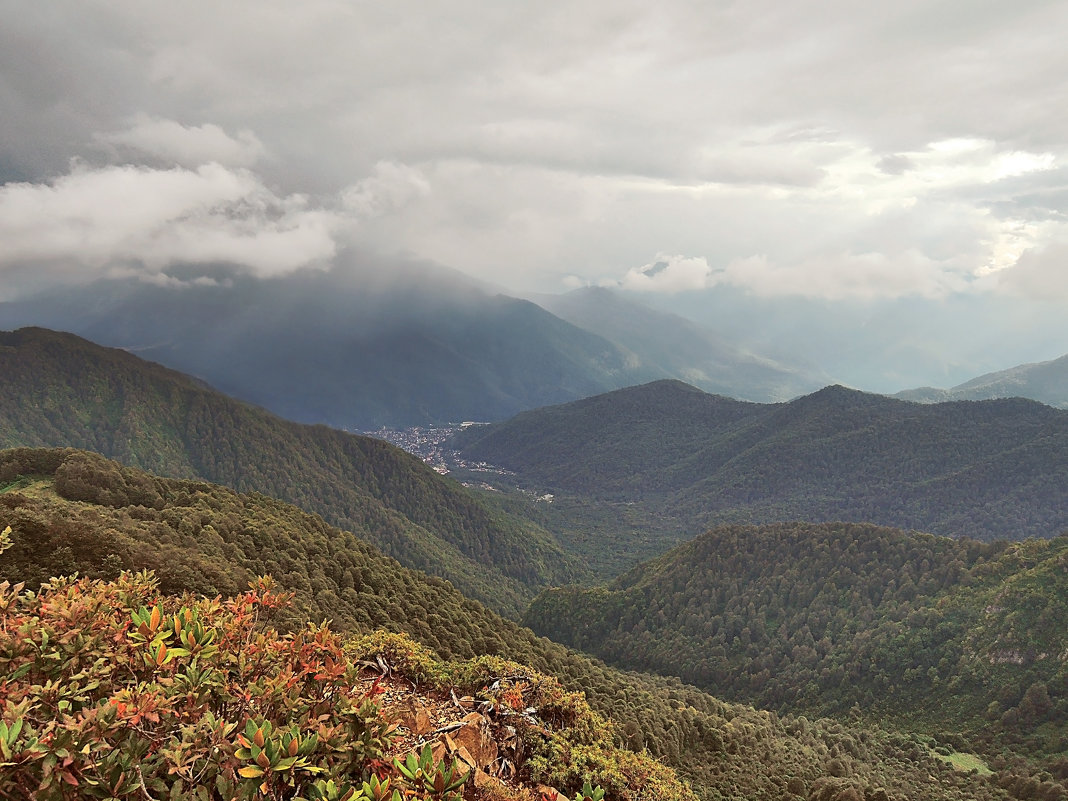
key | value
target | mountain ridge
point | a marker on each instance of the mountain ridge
(1045, 382)
(60, 390)
(983, 469)
(74, 510)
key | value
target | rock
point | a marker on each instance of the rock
(439, 750)
(414, 717)
(550, 793)
(484, 781)
(475, 737)
(463, 756)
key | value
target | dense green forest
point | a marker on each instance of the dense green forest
(912, 630)
(71, 510)
(986, 470)
(59, 390)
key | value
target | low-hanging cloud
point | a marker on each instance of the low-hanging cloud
(835, 276)
(1041, 273)
(390, 187)
(185, 145)
(128, 219)
(670, 274)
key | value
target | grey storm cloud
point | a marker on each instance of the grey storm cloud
(787, 147)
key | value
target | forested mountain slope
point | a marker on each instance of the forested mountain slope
(923, 631)
(71, 510)
(59, 390)
(992, 469)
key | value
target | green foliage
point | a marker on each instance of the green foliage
(995, 469)
(588, 793)
(911, 630)
(429, 777)
(211, 540)
(58, 390)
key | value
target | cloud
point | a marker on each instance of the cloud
(670, 274)
(185, 145)
(850, 276)
(140, 220)
(1041, 273)
(895, 164)
(840, 276)
(390, 187)
(904, 149)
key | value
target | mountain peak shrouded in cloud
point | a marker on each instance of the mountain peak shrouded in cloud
(130, 220)
(825, 157)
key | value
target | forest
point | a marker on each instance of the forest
(73, 510)
(810, 660)
(59, 390)
(978, 469)
(910, 630)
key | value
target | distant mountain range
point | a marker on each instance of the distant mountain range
(57, 389)
(395, 343)
(678, 348)
(995, 469)
(1042, 381)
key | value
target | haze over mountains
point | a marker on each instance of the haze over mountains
(405, 344)
(680, 348)
(1042, 381)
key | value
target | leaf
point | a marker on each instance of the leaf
(251, 772)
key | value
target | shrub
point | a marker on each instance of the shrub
(112, 691)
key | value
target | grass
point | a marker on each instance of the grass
(964, 762)
(21, 483)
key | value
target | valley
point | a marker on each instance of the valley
(754, 655)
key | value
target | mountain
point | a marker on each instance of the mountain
(920, 631)
(677, 348)
(991, 469)
(72, 510)
(1046, 382)
(59, 390)
(358, 347)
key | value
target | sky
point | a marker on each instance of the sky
(890, 181)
